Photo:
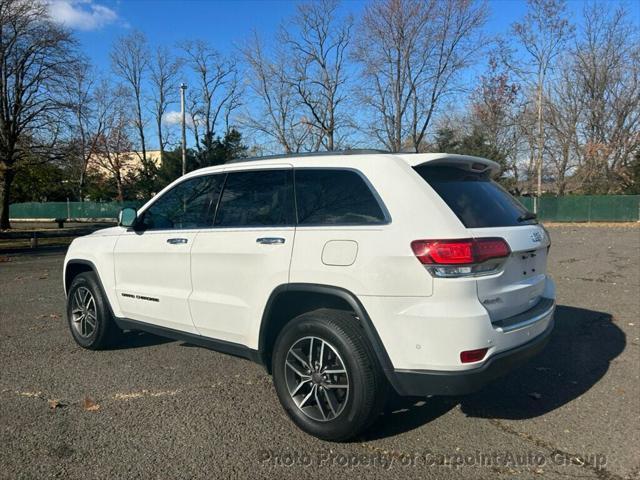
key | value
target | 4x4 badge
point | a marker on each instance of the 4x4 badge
(536, 236)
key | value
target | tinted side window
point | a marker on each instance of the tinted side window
(257, 198)
(476, 200)
(190, 204)
(335, 197)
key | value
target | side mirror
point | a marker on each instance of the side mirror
(127, 217)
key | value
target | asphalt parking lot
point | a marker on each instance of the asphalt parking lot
(156, 408)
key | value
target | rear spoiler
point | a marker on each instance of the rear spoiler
(464, 162)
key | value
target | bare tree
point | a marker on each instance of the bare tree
(216, 94)
(607, 73)
(455, 41)
(543, 33)
(390, 39)
(412, 53)
(495, 111)
(35, 57)
(113, 147)
(86, 125)
(130, 62)
(563, 112)
(318, 43)
(164, 81)
(277, 116)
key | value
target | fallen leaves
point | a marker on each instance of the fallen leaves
(55, 403)
(90, 405)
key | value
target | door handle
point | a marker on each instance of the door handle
(177, 241)
(270, 240)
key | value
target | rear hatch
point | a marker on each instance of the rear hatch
(488, 210)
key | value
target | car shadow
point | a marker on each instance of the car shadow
(137, 339)
(579, 352)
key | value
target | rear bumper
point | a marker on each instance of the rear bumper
(433, 382)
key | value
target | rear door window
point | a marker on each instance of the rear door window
(257, 198)
(335, 197)
(476, 200)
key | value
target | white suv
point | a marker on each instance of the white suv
(342, 274)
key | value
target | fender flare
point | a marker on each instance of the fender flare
(94, 269)
(352, 300)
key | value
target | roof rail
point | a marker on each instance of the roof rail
(309, 154)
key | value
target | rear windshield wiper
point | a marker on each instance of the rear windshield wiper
(526, 216)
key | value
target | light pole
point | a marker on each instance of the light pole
(183, 87)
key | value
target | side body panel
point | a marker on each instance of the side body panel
(233, 275)
(153, 279)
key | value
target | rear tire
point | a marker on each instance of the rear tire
(90, 320)
(309, 355)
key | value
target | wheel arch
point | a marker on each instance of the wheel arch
(75, 267)
(290, 300)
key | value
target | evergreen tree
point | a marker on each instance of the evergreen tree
(222, 150)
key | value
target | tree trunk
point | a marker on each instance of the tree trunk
(397, 127)
(160, 143)
(120, 195)
(5, 197)
(330, 145)
(141, 130)
(540, 140)
(81, 186)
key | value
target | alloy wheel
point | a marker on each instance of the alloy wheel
(316, 378)
(83, 312)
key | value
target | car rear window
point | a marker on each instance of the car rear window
(476, 200)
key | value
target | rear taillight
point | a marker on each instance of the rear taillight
(468, 251)
(455, 258)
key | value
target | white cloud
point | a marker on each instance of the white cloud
(81, 14)
(175, 118)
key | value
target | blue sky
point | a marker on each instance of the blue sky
(223, 23)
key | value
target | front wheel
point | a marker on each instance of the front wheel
(326, 375)
(88, 314)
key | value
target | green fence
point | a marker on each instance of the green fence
(574, 208)
(587, 208)
(74, 210)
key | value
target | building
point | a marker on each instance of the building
(127, 163)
